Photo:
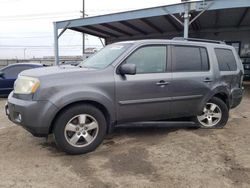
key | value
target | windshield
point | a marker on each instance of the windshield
(105, 57)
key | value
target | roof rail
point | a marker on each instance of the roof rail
(199, 40)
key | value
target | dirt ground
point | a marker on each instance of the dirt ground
(135, 157)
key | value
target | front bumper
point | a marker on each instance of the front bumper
(34, 116)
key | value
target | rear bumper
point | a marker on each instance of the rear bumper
(34, 116)
(236, 97)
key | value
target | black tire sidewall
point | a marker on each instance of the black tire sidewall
(64, 118)
(225, 114)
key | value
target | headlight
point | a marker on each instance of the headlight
(26, 85)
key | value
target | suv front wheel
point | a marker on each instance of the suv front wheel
(80, 129)
(214, 115)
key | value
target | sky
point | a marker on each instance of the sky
(27, 25)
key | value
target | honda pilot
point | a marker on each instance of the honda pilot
(126, 82)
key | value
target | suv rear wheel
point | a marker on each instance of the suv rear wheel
(215, 114)
(80, 129)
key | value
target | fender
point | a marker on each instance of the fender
(65, 96)
(217, 90)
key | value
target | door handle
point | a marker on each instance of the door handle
(207, 80)
(162, 83)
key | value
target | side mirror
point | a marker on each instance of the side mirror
(1, 74)
(128, 69)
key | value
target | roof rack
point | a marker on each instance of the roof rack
(199, 40)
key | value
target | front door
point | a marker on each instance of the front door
(145, 95)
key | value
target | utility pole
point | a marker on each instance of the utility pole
(83, 35)
(24, 54)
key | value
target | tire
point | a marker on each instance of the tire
(211, 112)
(80, 129)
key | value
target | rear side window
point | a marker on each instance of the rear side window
(189, 59)
(226, 59)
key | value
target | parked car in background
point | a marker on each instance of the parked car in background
(246, 65)
(126, 82)
(9, 74)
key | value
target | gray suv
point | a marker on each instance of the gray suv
(125, 82)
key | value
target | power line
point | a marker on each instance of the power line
(41, 14)
(62, 13)
(38, 34)
(92, 12)
(34, 46)
(36, 18)
(21, 37)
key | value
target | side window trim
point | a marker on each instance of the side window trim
(167, 63)
(184, 45)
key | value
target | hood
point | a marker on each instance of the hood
(53, 71)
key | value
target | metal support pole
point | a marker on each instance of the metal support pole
(64, 29)
(101, 42)
(204, 9)
(56, 51)
(173, 16)
(186, 20)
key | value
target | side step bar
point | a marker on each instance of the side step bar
(158, 124)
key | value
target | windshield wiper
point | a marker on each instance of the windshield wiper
(82, 66)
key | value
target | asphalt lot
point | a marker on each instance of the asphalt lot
(139, 157)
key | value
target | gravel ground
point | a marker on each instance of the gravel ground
(145, 157)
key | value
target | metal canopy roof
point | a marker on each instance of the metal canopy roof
(162, 22)
(159, 21)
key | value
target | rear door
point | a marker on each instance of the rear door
(145, 95)
(192, 79)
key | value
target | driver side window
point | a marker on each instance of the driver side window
(149, 59)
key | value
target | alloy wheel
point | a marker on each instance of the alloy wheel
(210, 116)
(81, 130)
